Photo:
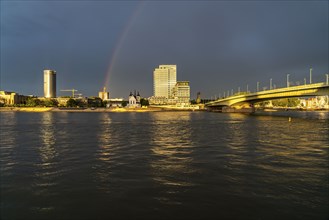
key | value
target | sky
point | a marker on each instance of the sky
(216, 45)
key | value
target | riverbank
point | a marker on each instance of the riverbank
(47, 109)
(25, 109)
(149, 109)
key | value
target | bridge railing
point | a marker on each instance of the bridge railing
(307, 86)
(285, 89)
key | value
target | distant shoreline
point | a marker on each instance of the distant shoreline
(150, 109)
(55, 109)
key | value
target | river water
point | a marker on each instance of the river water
(164, 165)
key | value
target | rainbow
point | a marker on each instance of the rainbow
(120, 41)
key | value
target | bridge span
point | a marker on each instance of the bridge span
(245, 102)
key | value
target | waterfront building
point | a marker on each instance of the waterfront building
(164, 80)
(318, 102)
(181, 93)
(134, 101)
(104, 95)
(115, 102)
(158, 100)
(12, 98)
(49, 83)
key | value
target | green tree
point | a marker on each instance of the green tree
(263, 104)
(293, 102)
(33, 102)
(95, 102)
(144, 102)
(124, 103)
(71, 103)
(50, 102)
(193, 102)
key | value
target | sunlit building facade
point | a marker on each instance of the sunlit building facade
(181, 92)
(12, 98)
(164, 80)
(104, 95)
(134, 100)
(318, 102)
(49, 83)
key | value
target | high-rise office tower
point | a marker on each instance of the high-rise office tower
(49, 83)
(164, 80)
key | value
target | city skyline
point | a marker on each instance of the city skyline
(217, 46)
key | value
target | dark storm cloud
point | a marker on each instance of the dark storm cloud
(217, 46)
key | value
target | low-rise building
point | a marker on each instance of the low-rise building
(181, 93)
(12, 98)
(318, 102)
(158, 100)
(134, 101)
(116, 102)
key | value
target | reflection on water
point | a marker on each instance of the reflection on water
(104, 138)
(237, 147)
(237, 136)
(46, 174)
(172, 148)
(8, 136)
(168, 165)
(103, 154)
(47, 135)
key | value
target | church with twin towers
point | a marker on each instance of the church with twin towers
(166, 88)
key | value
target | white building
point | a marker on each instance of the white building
(12, 98)
(115, 102)
(164, 80)
(318, 102)
(181, 93)
(49, 83)
(134, 101)
(158, 100)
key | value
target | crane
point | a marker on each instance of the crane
(69, 90)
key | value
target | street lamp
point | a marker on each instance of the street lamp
(288, 80)
(271, 83)
(311, 75)
(247, 88)
(257, 86)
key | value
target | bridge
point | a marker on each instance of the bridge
(244, 102)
